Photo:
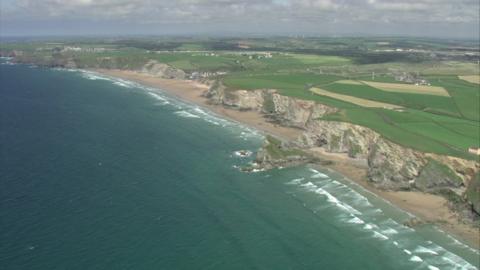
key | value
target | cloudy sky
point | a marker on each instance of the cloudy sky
(439, 18)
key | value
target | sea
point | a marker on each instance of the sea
(103, 173)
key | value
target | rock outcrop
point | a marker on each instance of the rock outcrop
(292, 112)
(390, 166)
(161, 70)
(277, 154)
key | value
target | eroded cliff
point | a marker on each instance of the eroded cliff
(390, 165)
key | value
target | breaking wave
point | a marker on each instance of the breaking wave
(374, 222)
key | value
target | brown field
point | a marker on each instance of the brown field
(352, 82)
(409, 88)
(358, 101)
(471, 78)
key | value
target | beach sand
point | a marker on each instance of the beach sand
(429, 208)
(191, 91)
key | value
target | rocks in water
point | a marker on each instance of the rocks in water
(243, 153)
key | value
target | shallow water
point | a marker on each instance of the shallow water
(101, 173)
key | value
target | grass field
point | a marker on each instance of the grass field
(357, 101)
(443, 118)
(408, 88)
(430, 123)
(431, 103)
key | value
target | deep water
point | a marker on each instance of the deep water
(98, 173)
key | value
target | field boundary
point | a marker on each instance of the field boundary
(355, 100)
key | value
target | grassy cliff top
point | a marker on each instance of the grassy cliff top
(442, 115)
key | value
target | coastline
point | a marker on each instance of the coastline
(429, 208)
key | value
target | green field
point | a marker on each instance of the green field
(443, 124)
(437, 124)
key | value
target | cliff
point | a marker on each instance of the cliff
(390, 166)
(156, 69)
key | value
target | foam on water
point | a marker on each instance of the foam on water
(296, 181)
(424, 250)
(416, 259)
(95, 76)
(163, 100)
(186, 114)
(380, 236)
(320, 184)
(356, 220)
(370, 226)
(330, 198)
(389, 231)
(319, 175)
(462, 245)
(186, 110)
(380, 226)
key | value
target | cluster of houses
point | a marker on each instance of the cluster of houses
(82, 49)
(203, 75)
(258, 55)
(411, 78)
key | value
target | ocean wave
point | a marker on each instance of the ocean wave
(456, 262)
(94, 76)
(441, 258)
(330, 198)
(156, 96)
(187, 110)
(389, 231)
(380, 225)
(424, 250)
(462, 245)
(380, 236)
(370, 226)
(415, 259)
(317, 174)
(296, 181)
(123, 83)
(186, 114)
(356, 220)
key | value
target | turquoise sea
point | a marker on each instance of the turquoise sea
(101, 173)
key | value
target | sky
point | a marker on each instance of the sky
(424, 18)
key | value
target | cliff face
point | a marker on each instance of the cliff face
(161, 70)
(287, 111)
(293, 112)
(390, 166)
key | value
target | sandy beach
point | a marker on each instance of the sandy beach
(427, 207)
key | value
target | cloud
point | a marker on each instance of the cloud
(304, 13)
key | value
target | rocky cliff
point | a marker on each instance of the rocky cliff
(390, 166)
(154, 68)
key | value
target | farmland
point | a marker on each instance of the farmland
(470, 78)
(355, 100)
(419, 93)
